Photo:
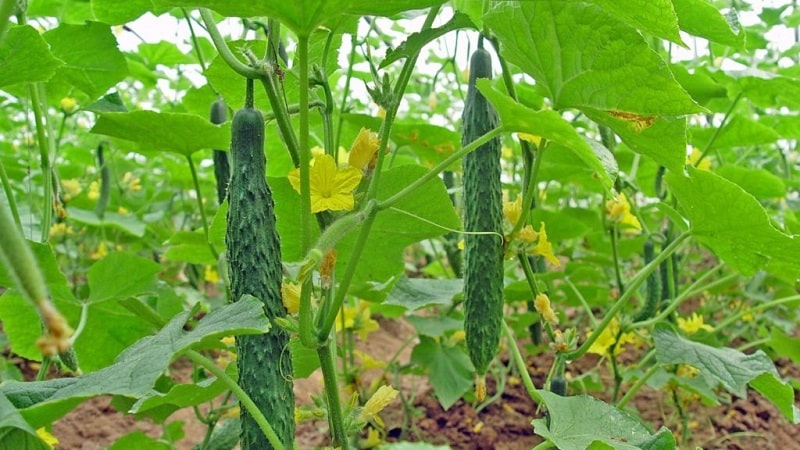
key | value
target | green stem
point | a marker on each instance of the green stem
(397, 94)
(326, 360)
(12, 204)
(623, 299)
(6, 11)
(224, 51)
(244, 399)
(770, 304)
(345, 94)
(522, 368)
(718, 130)
(694, 288)
(639, 383)
(530, 193)
(583, 301)
(196, 44)
(530, 276)
(439, 168)
(44, 154)
(199, 196)
(615, 256)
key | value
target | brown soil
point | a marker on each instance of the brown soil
(749, 423)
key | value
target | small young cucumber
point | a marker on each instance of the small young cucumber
(222, 169)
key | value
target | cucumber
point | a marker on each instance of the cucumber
(482, 212)
(222, 169)
(652, 285)
(254, 258)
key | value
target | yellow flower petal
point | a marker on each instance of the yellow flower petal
(693, 324)
(544, 248)
(291, 296)
(364, 148)
(379, 400)
(48, 438)
(332, 188)
(694, 157)
(513, 210)
(543, 307)
(533, 139)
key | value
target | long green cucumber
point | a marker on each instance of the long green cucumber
(483, 213)
(254, 257)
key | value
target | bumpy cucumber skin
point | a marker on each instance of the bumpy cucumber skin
(222, 168)
(483, 212)
(254, 256)
(652, 287)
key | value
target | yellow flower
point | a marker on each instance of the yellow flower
(533, 139)
(229, 341)
(100, 253)
(457, 337)
(544, 248)
(210, 275)
(232, 413)
(609, 337)
(693, 324)
(358, 319)
(71, 187)
(379, 400)
(367, 361)
(331, 188)
(94, 190)
(527, 234)
(513, 210)
(619, 211)
(364, 149)
(460, 244)
(372, 440)
(694, 157)
(133, 183)
(381, 112)
(507, 152)
(542, 305)
(291, 296)
(68, 105)
(687, 371)
(48, 438)
(60, 229)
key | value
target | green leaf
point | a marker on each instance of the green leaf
(304, 360)
(780, 393)
(734, 225)
(550, 125)
(15, 432)
(303, 16)
(108, 103)
(415, 41)
(121, 275)
(137, 440)
(412, 446)
(66, 11)
(760, 183)
(417, 293)
(127, 223)
(164, 52)
(581, 422)
(18, 315)
(20, 46)
(114, 12)
(159, 405)
(93, 61)
(664, 140)
(136, 370)
(699, 83)
(584, 57)
(652, 17)
(784, 345)
(434, 326)
(739, 132)
(174, 132)
(449, 369)
(191, 247)
(701, 18)
(731, 368)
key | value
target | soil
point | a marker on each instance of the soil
(747, 423)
